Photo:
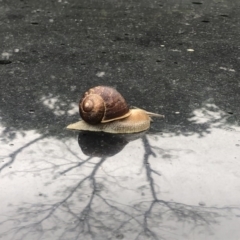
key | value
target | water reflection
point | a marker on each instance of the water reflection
(105, 144)
(140, 186)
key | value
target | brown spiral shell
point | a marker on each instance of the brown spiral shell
(102, 104)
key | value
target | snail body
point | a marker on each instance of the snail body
(104, 109)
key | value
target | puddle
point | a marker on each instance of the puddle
(83, 183)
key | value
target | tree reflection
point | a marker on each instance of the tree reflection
(88, 208)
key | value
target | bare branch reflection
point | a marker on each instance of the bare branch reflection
(86, 202)
(13, 155)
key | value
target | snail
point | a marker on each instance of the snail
(103, 108)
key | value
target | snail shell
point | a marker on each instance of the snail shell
(103, 104)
